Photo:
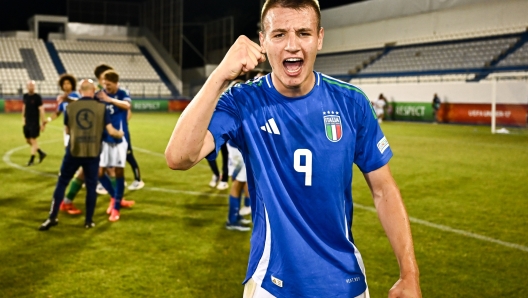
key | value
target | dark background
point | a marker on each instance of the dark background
(246, 14)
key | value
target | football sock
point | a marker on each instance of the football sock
(214, 167)
(135, 167)
(32, 158)
(75, 186)
(225, 160)
(120, 189)
(247, 201)
(113, 181)
(234, 206)
(40, 151)
(91, 199)
(107, 184)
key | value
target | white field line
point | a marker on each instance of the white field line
(456, 231)
(146, 151)
(7, 159)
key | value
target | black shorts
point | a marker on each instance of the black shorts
(31, 131)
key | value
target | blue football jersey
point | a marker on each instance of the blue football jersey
(117, 115)
(299, 153)
(72, 96)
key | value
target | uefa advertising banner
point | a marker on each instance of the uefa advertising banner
(150, 105)
(412, 111)
(471, 113)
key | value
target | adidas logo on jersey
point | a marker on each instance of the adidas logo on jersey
(271, 127)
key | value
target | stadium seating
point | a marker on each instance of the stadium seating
(517, 58)
(468, 56)
(22, 60)
(345, 63)
(136, 74)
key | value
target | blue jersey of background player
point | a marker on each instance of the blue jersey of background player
(75, 95)
(118, 115)
(300, 155)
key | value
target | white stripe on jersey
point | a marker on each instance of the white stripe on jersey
(274, 126)
(262, 267)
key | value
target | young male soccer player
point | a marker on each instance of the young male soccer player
(68, 84)
(138, 182)
(114, 151)
(300, 133)
(32, 116)
(85, 121)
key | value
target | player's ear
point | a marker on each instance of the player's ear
(262, 40)
(320, 37)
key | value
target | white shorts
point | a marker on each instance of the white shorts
(66, 139)
(254, 290)
(379, 112)
(113, 155)
(236, 165)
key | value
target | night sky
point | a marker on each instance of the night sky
(15, 13)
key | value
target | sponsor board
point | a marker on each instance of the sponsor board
(178, 105)
(506, 114)
(150, 105)
(15, 105)
(2, 106)
(412, 111)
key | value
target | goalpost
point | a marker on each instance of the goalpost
(495, 78)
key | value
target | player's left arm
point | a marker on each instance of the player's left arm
(395, 222)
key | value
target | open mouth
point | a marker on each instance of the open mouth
(293, 65)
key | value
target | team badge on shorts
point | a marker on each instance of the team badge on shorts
(333, 127)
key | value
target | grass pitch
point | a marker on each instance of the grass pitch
(465, 189)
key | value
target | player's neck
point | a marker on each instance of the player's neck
(302, 89)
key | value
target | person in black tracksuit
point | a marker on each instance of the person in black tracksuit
(32, 115)
(85, 121)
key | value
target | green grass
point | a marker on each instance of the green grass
(173, 243)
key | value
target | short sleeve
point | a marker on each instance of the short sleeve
(74, 96)
(125, 95)
(39, 99)
(372, 148)
(225, 122)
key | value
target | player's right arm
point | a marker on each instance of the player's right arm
(191, 141)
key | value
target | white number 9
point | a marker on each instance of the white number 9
(307, 168)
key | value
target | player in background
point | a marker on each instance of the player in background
(237, 171)
(300, 133)
(114, 151)
(78, 181)
(84, 120)
(137, 183)
(68, 84)
(32, 115)
(224, 177)
(379, 106)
